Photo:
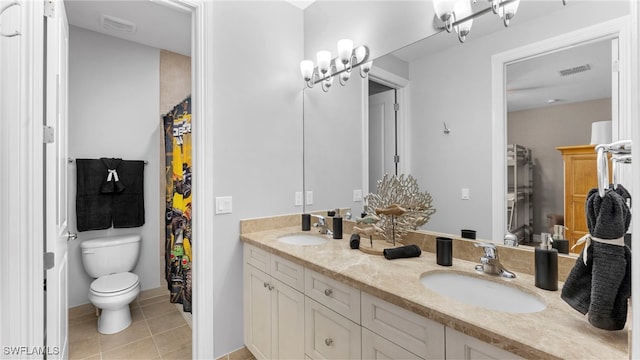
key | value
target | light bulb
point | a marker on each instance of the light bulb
(306, 68)
(324, 60)
(443, 8)
(361, 52)
(345, 48)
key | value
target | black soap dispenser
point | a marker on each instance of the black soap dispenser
(337, 225)
(546, 264)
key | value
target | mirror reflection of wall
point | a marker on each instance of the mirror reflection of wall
(446, 82)
(552, 100)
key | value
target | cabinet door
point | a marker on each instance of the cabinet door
(330, 335)
(257, 312)
(461, 346)
(288, 322)
(376, 347)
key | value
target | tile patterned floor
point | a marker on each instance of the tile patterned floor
(159, 331)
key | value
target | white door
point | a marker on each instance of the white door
(56, 161)
(382, 135)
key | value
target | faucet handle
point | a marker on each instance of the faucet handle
(489, 249)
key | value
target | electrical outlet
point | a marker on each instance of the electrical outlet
(298, 198)
(309, 197)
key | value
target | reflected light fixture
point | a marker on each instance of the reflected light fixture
(458, 15)
(341, 66)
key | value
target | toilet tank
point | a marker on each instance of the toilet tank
(110, 255)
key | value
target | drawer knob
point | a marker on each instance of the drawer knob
(328, 292)
(328, 341)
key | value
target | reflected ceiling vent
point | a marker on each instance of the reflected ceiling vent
(114, 23)
(575, 70)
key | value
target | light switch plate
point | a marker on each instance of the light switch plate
(465, 194)
(298, 198)
(309, 197)
(224, 205)
(357, 195)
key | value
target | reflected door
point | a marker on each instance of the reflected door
(382, 135)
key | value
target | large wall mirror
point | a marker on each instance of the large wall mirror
(447, 123)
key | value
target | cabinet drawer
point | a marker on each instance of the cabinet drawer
(329, 335)
(335, 295)
(461, 346)
(288, 272)
(375, 346)
(417, 334)
(257, 258)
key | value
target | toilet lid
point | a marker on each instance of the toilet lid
(114, 282)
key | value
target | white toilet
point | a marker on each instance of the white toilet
(109, 260)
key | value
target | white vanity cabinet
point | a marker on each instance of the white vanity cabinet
(273, 306)
(461, 346)
(332, 318)
(292, 312)
(421, 337)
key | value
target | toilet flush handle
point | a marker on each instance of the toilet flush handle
(71, 236)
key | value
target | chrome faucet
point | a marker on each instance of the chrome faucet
(322, 225)
(490, 263)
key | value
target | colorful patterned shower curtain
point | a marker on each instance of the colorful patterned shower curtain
(178, 255)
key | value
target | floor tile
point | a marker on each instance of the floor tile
(182, 353)
(82, 310)
(158, 327)
(136, 331)
(174, 339)
(157, 309)
(151, 293)
(84, 348)
(170, 320)
(141, 349)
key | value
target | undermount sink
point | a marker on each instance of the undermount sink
(482, 293)
(303, 239)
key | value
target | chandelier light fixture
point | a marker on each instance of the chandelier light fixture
(458, 15)
(326, 67)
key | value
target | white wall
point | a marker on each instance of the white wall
(113, 112)
(257, 122)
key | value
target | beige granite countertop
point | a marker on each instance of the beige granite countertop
(556, 332)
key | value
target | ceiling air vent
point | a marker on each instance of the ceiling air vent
(114, 23)
(575, 70)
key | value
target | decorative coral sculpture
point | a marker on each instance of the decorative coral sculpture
(400, 205)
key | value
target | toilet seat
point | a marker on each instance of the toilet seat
(114, 284)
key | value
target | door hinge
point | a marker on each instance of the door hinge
(44, 284)
(49, 260)
(396, 107)
(49, 8)
(48, 134)
(615, 66)
(396, 159)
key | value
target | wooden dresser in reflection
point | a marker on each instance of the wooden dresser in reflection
(580, 176)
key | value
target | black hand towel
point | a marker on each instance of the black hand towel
(577, 288)
(112, 183)
(402, 252)
(603, 285)
(128, 205)
(93, 209)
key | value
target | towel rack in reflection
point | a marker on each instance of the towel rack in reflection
(71, 160)
(620, 153)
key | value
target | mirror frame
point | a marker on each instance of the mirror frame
(616, 28)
